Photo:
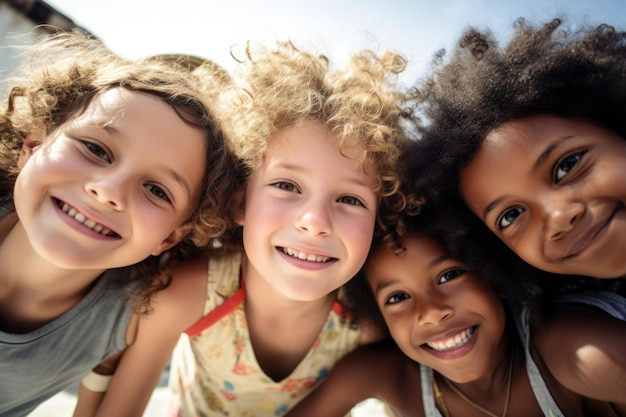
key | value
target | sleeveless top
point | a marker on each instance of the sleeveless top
(612, 303)
(214, 371)
(36, 365)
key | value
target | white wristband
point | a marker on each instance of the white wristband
(96, 382)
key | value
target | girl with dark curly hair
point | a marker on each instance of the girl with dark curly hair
(463, 347)
(531, 136)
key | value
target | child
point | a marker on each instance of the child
(106, 166)
(532, 134)
(318, 152)
(458, 345)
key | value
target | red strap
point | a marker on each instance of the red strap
(224, 309)
(232, 303)
(341, 310)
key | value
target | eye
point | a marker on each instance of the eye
(158, 192)
(508, 217)
(397, 297)
(353, 201)
(97, 150)
(287, 186)
(449, 275)
(566, 164)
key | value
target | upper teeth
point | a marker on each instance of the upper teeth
(453, 342)
(80, 217)
(303, 255)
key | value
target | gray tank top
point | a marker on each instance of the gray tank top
(35, 366)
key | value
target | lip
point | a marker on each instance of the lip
(590, 237)
(455, 352)
(76, 225)
(304, 263)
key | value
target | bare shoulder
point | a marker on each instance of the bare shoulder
(584, 350)
(578, 326)
(183, 300)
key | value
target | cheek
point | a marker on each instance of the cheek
(400, 330)
(614, 180)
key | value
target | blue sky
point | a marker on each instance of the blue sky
(417, 28)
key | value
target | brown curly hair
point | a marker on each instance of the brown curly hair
(63, 75)
(285, 86)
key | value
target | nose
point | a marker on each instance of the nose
(315, 218)
(109, 189)
(432, 310)
(561, 217)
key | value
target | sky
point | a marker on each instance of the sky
(416, 28)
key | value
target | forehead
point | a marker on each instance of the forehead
(315, 142)
(518, 144)
(111, 106)
(314, 135)
(534, 133)
(421, 251)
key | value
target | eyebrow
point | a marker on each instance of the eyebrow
(179, 180)
(543, 156)
(490, 207)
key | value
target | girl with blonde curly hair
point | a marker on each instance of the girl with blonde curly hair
(317, 150)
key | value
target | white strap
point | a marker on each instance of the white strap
(96, 382)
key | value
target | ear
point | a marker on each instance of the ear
(172, 239)
(28, 148)
(240, 207)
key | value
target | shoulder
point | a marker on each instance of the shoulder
(182, 301)
(584, 349)
(579, 326)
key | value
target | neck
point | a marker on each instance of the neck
(493, 382)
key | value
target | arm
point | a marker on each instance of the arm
(93, 386)
(367, 372)
(88, 401)
(585, 351)
(174, 310)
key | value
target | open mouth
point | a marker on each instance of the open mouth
(453, 342)
(84, 220)
(306, 256)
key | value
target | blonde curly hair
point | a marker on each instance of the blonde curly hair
(283, 87)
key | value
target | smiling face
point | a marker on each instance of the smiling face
(111, 186)
(439, 314)
(554, 190)
(309, 214)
